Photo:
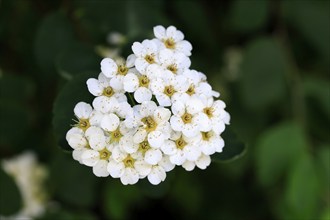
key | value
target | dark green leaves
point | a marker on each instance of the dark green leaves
(248, 15)
(233, 149)
(276, 150)
(73, 92)
(262, 73)
(10, 199)
(54, 34)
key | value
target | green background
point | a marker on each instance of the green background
(269, 60)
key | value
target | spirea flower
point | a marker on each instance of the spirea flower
(150, 114)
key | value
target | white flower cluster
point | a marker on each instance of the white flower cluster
(30, 177)
(149, 114)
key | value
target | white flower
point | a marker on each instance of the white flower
(76, 139)
(173, 39)
(167, 88)
(188, 117)
(217, 117)
(175, 63)
(181, 148)
(107, 96)
(146, 53)
(83, 112)
(117, 71)
(202, 163)
(152, 122)
(210, 142)
(128, 167)
(30, 177)
(99, 154)
(139, 84)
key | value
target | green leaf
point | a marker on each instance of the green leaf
(72, 183)
(262, 73)
(77, 58)
(248, 15)
(312, 20)
(120, 199)
(73, 92)
(277, 149)
(318, 89)
(15, 92)
(303, 191)
(233, 149)
(323, 162)
(53, 35)
(10, 199)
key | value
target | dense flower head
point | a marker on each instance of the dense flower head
(150, 114)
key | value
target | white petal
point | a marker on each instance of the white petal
(108, 67)
(117, 82)
(142, 167)
(131, 82)
(166, 164)
(130, 61)
(156, 175)
(110, 122)
(93, 130)
(192, 152)
(178, 108)
(203, 161)
(178, 158)
(90, 157)
(190, 130)
(77, 141)
(137, 49)
(140, 136)
(130, 176)
(76, 154)
(83, 110)
(184, 47)
(97, 142)
(176, 123)
(159, 32)
(153, 156)
(148, 108)
(188, 165)
(170, 31)
(163, 99)
(194, 106)
(94, 87)
(115, 169)
(142, 94)
(156, 139)
(169, 147)
(100, 168)
(161, 115)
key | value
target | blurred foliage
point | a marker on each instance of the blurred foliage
(269, 59)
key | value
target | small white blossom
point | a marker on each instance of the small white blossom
(146, 53)
(173, 39)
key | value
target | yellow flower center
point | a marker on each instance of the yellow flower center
(191, 90)
(169, 43)
(115, 136)
(144, 81)
(206, 135)
(209, 111)
(144, 147)
(129, 161)
(83, 124)
(105, 154)
(150, 58)
(122, 70)
(150, 124)
(173, 68)
(108, 91)
(186, 118)
(180, 143)
(169, 90)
